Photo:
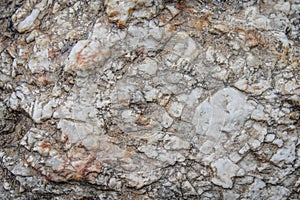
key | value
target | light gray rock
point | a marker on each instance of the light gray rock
(28, 22)
(31, 21)
(103, 34)
(166, 120)
(283, 7)
(149, 99)
(86, 55)
(270, 137)
(225, 171)
(253, 61)
(148, 66)
(41, 59)
(226, 110)
(258, 21)
(175, 109)
(21, 170)
(149, 150)
(175, 143)
(285, 154)
(43, 110)
(230, 195)
(181, 48)
(119, 11)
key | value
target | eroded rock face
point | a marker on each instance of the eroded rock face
(150, 100)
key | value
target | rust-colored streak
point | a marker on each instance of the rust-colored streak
(45, 145)
(256, 88)
(128, 152)
(142, 121)
(121, 24)
(164, 18)
(43, 79)
(113, 14)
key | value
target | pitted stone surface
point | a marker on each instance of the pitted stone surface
(149, 99)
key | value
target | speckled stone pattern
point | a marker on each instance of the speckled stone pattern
(149, 99)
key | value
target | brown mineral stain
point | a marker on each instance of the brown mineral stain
(43, 79)
(79, 54)
(179, 23)
(113, 14)
(252, 39)
(94, 167)
(141, 121)
(51, 54)
(180, 6)
(256, 88)
(140, 51)
(284, 55)
(22, 43)
(130, 11)
(164, 18)
(198, 24)
(128, 152)
(114, 137)
(123, 102)
(241, 33)
(75, 177)
(64, 138)
(45, 145)
(263, 43)
(165, 102)
(70, 80)
(171, 28)
(121, 24)
(207, 16)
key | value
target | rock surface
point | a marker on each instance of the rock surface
(149, 99)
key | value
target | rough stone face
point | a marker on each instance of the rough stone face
(225, 171)
(149, 99)
(86, 55)
(225, 111)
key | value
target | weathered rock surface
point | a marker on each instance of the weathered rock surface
(149, 99)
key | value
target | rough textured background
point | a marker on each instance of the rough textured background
(149, 99)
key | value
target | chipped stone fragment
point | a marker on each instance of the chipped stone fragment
(207, 147)
(119, 10)
(222, 28)
(184, 44)
(225, 171)
(28, 22)
(253, 61)
(230, 195)
(149, 150)
(227, 107)
(40, 61)
(175, 109)
(286, 154)
(166, 120)
(21, 170)
(270, 137)
(43, 110)
(188, 188)
(86, 55)
(31, 21)
(175, 143)
(149, 66)
(283, 7)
